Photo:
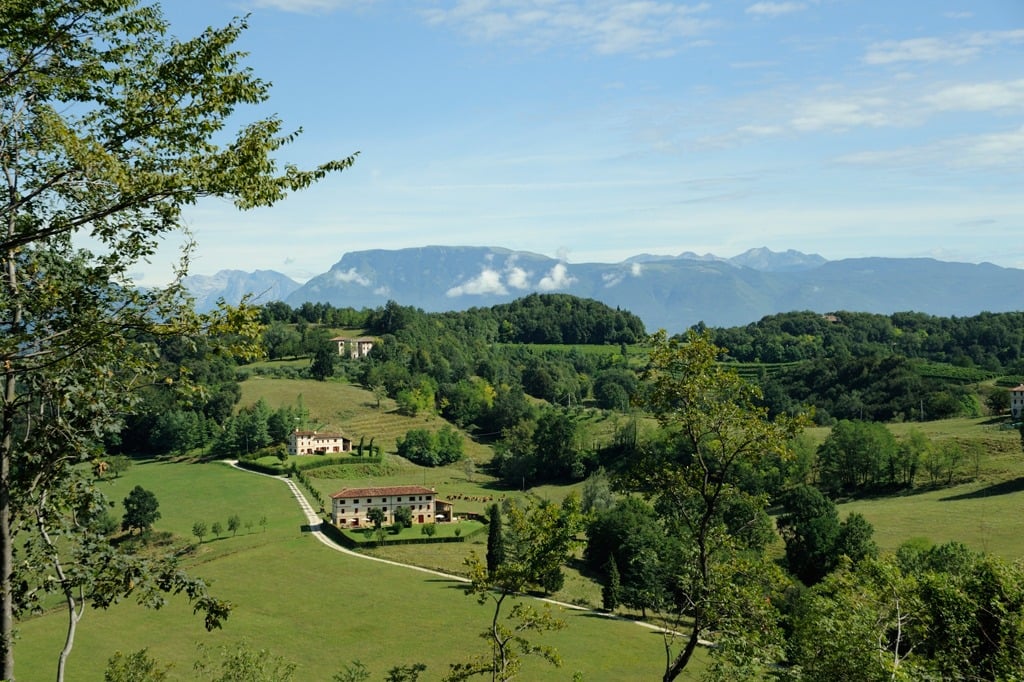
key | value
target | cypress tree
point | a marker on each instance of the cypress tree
(612, 588)
(495, 541)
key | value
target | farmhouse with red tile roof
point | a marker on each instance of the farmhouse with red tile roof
(349, 506)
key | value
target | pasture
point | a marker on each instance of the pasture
(308, 603)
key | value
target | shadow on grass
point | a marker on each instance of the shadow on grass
(1004, 488)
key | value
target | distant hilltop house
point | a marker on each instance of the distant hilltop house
(317, 443)
(1017, 401)
(356, 348)
(350, 506)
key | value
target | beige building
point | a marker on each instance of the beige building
(1017, 401)
(316, 443)
(350, 506)
(356, 348)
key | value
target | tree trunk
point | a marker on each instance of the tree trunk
(673, 671)
(6, 544)
(6, 450)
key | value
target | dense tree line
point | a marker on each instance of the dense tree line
(188, 407)
(993, 341)
(451, 364)
(873, 387)
(562, 318)
(878, 367)
(314, 313)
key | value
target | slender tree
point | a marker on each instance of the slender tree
(542, 539)
(713, 427)
(109, 126)
(612, 586)
(495, 540)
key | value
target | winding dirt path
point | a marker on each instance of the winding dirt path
(314, 529)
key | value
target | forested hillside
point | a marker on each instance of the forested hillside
(906, 366)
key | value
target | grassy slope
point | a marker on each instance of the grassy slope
(308, 603)
(324, 609)
(982, 511)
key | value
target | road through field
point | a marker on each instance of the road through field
(313, 527)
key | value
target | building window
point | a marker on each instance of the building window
(428, 498)
(355, 501)
(399, 499)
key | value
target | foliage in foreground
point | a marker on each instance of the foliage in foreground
(109, 126)
(719, 585)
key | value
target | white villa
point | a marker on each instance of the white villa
(316, 443)
(349, 506)
(1017, 401)
(355, 348)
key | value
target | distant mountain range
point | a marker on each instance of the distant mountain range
(670, 292)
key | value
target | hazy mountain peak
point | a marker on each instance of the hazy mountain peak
(766, 260)
(670, 292)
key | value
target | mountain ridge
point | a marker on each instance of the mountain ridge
(669, 292)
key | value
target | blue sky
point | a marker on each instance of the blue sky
(595, 130)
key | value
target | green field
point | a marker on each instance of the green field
(352, 409)
(322, 609)
(308, 603)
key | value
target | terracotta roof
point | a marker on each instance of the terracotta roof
(1018, 388)
(320, 434)
(384, 492)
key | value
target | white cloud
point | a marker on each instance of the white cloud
(311, 6)
(775, 9)
(612, 279)
(487, 282)
(919, 50)
(557, 278)
(643, 27)
(841, 114)
(517, 278)
(954, 50)
(979, 96)
(759, 130)
(352, 276)
(1004, 150)
(994, 149)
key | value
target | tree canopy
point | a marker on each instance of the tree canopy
(109, 127)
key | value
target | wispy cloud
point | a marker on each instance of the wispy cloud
(956, 50)
(352, 276)
(312, 6)
(612, 279)
(841, 114)
(979, 96)
(1004, 150)
(644, 27)
(920, 50)
(775, 9)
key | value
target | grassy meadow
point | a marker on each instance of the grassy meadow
(323, 609)
(306, 602)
